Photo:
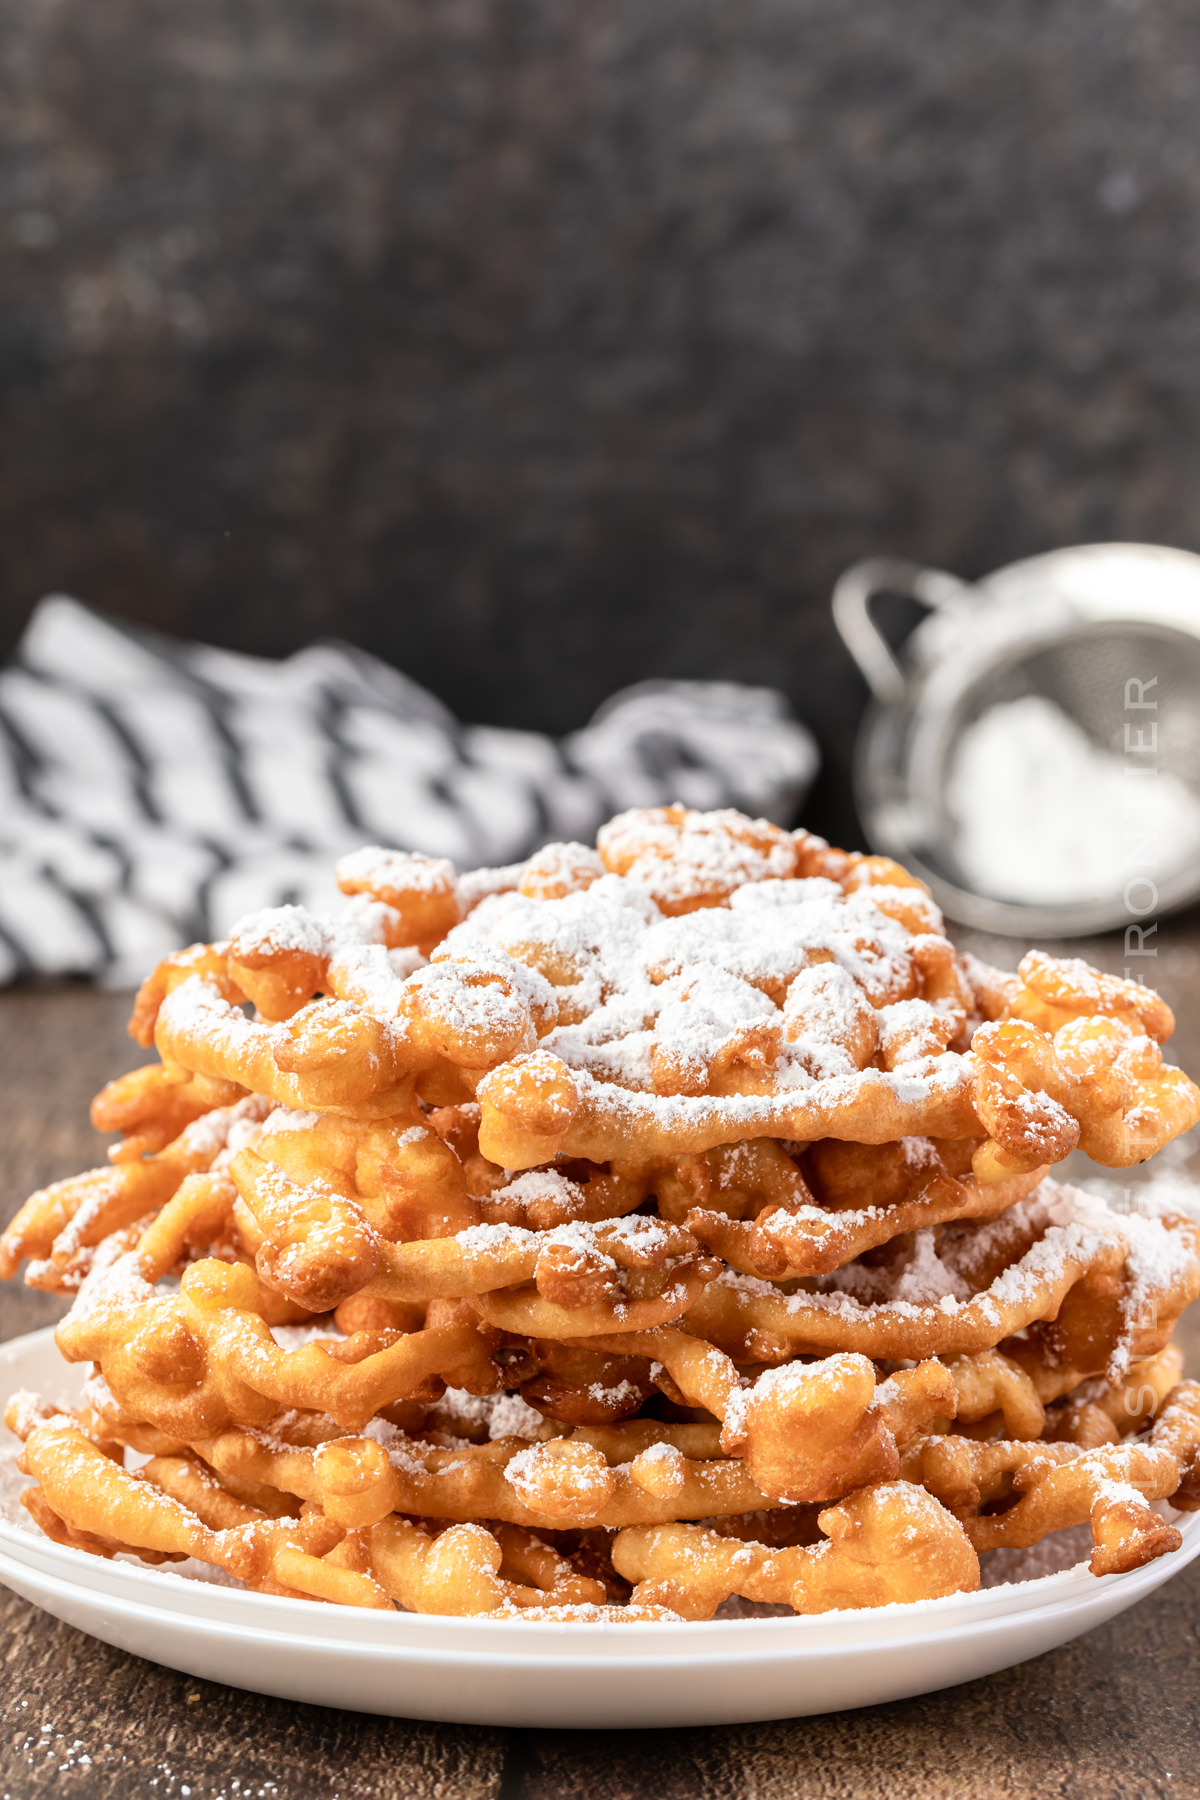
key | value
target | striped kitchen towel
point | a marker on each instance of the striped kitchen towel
(152, 791)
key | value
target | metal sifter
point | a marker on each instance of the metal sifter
(1032, 752)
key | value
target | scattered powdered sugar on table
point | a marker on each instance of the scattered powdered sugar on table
(1039, 808)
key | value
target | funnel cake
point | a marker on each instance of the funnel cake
(613, 1234)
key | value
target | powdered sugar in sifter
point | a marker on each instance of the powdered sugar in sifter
(1033, 750)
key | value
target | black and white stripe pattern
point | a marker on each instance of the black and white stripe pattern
(152, 791)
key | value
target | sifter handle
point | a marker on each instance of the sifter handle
(852, 599)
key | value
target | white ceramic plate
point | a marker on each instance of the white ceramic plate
(500, 1672)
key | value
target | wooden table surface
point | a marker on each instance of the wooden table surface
(1113, 1714)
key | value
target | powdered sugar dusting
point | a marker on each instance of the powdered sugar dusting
(275, 931)
(500, 1415)
(635, 989)
(396, 871)
(679, 858)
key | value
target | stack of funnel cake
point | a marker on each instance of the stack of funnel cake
(613, 1234)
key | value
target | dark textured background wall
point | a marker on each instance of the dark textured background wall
(539, 345)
